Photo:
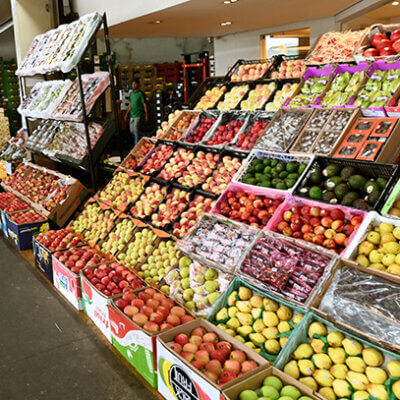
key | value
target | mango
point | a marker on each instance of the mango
(233, 323)
(244, 330)
(339, 371)
(256, 312)
(270, 333)
(341, 388)
(270, 305)
(257, 338)
(377, 391)
(317, 345)
(337, 355)
(232, 298)
(258, 326)
(284, 313)
(283, 341)
(396, 389)
(356, 364)
(352, 347)
(244, 318)
(250, 345)
(357, 380)
(360, 395)
(323, 377)
(316, 328)
(272, 346)
(297, 318)
(284, 326)
(292, 369)
(372, 357)
(322, 361)
(304, 350)
(335, 339)
(310, 382)
(270, 318)
(243, 306)
(244, 293)
(240, 338)
(394, 368)
(256, 301)
(221, 315)
(376, 375)
(327, 392)
(306, 367)
(232, 311)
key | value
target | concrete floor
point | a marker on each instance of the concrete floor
(47, 350)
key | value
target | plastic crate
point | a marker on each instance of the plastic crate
(388, 171)
(204, 114)
(234, 69)
(285, 157)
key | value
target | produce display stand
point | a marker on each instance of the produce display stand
(93, 154)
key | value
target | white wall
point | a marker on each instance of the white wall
(154, 50)
(7, 44)
(123, 10)
(229, 48)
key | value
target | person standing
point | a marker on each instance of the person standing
(137, 109)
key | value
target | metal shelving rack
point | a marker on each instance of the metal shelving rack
(91, 45)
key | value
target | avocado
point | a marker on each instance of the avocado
(258, 176)
(274, 163)
(281, 186)
(259, 167)
(329, 197)
(316, 176)
(283, 174)
(350, 198)
(293, 175)
(347, 172)
(331, 183)
(267, 184)
(267, 169)
(357, 182)
(266, 162)
(373, 197)
(382, 182)
(251, 181)
(292, 167)
(275, 181)
(247, 176)
(280, 166)
(290, 182)
(274, 173)
(361, 204)
(315, 193)
(331, 170)
(371, 186)
(302, 168)
(341, 190)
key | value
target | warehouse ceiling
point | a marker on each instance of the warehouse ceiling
(204, 17)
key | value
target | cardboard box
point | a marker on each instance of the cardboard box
(43, 259)
(3, 223)
(178, 379)
(256, 382)
(21, 234)
(370, 271)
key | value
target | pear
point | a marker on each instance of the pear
(258, 326)
(303, 351)
(316, 328)
(394, 368)
(292, 369)
(185, 283)
(244, 293)
(190, 305)
(272, 346)
(327, 392)
(222, 315)
(211, 286)
(211, 274)
(388, 259)
(337, 355)
(387, 238)
(396, 389)
(240, 338)
(232, 311)
(243, 306)
(318, 345)
(394, 269)
(184, 272)
(363, 259)
(335, 339)
(291, 392)
(273, 381)
(377, 391)
(256, 301)
(396, 232)
(365, 248)
(397, 260)
(352, 347)
(341, 388)
(372, 357)
(269, 392)
(222, 326)
(257, 338)
(284, 326)
(306, 367)
(188, 294)
(256, 312)
(233, 323)
(356, 364)
(339, 371)
(250, 345)
(321, 361)
(270, 333)
(213, 297)
(323, 377)
(379, 267)
(184, 262)
(283, 341)
(374, 237)
(297, 318)
(376, 256)
(310, 382)
(357, 380)
(360, 395)
(384, 227)
(284, 313)
(244, 330)
(270, 318)
(376, 375)
(232, 298)
(245, 318)
(270, 305)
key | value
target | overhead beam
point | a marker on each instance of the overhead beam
(6, 25)
(359, 9)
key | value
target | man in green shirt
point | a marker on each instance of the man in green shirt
(137, 108)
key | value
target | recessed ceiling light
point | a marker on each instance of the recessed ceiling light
(395, 3)
(226, 23)
(230, 1)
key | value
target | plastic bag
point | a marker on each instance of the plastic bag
(365, 302)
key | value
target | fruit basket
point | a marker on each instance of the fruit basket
(246, 311)
(225, 130)
(205, 121)
(376, 234)
(240, 72)
(283, 129)
(249, 205)
(253, 128)
(201, 98)
(181, 125)
(357, 353)
(218, 242)
(291, 269)
(294, 166)
(288, 68)
(331, 226)
(364, 299)
(348, 182)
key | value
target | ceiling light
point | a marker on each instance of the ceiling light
(226, 23)
(230, 1)
(157, 21)
(395, 3)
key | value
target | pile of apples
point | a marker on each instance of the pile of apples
(246, 141)
(216, 359)
(165, 125)
(152, 310)
(200, 131)
(200, 168)
(58, 240)
(185, 122)
(290, 69)
(324, 227)
(10, 202)
(197, 207)
(57, 197)
(26, 217)
(112, 278)
(222, 176)
(122, 190)
(78, 258)
(248, 208)
(119, 237)
(257, 97)
(225, 133)
(384, 45)
(138, 154)
(169, 210)
(158, 158)
(233, 98)
(149, 201)
(250, 72)
(177, 164)
(18, 176)
(139, 249)
(210, 98)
